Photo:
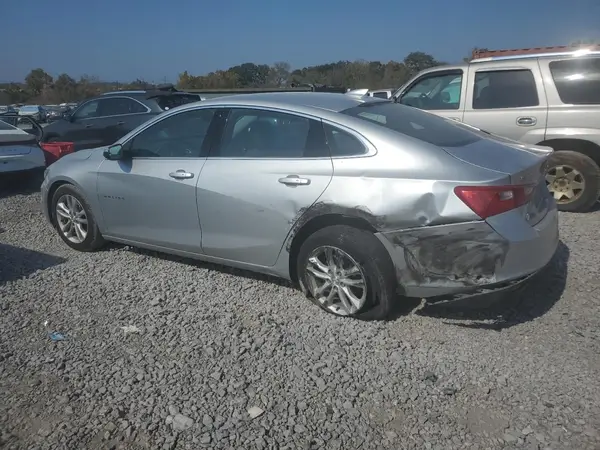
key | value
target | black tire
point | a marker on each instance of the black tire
(590, 173)
(94, 240)
(369, 254)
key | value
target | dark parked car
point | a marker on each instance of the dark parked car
(104, 119)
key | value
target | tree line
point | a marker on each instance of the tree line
(39, 87)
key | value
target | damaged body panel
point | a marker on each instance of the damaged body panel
(466, 257)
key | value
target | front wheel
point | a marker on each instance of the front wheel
(574, 180)
(74, 220)
(348, 272)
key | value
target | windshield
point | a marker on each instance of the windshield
(172, 101)
(414, 123)
(29, 108)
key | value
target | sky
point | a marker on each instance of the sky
(155, 40)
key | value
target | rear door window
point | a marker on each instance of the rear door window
(252, 133)
(505, 89)
(166, 102)
(119, 106)
(414, 123)
(577, 80)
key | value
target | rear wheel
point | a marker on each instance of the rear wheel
(74, 220)
(347, 272)
(574, 180)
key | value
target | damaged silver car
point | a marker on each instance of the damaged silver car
(361, 201)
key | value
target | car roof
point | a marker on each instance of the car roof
(293, 100)
(124, 93)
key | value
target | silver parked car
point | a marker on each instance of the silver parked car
(356, 199)
(20, 151)
(34, 111)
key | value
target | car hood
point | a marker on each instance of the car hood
(82, 155)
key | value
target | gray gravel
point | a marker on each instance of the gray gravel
(168, 353)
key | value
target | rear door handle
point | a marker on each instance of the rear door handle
(120, 123)
(181, 175)
(89, 125)
(526, 121)
(294, 180)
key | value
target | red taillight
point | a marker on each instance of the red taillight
(55, 150)
(488, 201)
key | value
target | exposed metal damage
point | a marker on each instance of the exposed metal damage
(452, 256)
(467, 254)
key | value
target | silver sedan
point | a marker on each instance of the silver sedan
(360, 201)
(20, 151)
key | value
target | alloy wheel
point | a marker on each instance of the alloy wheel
(565, 183)
(336, 280)
(71, 219)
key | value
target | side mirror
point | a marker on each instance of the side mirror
(114, 152)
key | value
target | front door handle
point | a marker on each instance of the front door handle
(294, 180)
(181, 175)
(526, 121)
(89, 125)
(120, 123)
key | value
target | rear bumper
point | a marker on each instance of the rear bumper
(475, 258)
(22, 163)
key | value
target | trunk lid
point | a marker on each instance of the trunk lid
(524, 164)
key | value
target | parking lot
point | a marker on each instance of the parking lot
(161, 352)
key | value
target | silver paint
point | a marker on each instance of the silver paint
(235, 212)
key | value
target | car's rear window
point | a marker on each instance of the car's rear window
(172, 101)
(414, 123)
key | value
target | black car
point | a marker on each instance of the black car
(103, 120)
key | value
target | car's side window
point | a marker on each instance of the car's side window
(504, 89)
(577, 80)
(435, 92)
(117, 106)
(342, 143)
(179, 136)
(254, 133)
(88, 111)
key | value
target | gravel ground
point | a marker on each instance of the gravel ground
(167, 353)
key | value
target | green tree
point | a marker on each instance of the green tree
(417, 61)
(251, 75)
(39, 87)
(279, 74)
(37, 81)
(65, 88)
